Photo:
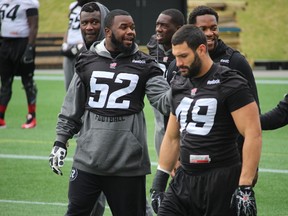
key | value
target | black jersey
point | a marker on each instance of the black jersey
(202, 107)
(156, 50)
(277, 117)
(117, 87)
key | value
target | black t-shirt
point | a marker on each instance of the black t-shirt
(203, 108)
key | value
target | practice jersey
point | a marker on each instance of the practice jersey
(74, 35)
(156, 50)
(13, 14)
(104, 103)
(117, 87)
(203, 109)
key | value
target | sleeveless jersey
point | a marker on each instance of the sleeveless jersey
(74, 35)
(202, 107)
(14, 23)
(117, 87)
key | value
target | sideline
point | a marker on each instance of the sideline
(153, 163)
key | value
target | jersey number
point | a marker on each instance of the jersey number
(111, 100)
(74, 21)
(202, 115)
(11, 13)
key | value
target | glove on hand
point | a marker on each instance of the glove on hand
(158, 188)
(70, 50)
(28, 56)
(156, 199)
(57, 156)
(243, 199)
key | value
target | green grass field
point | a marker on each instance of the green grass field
(29, 187)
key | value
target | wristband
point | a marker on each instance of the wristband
(160, 181)
(60, 144)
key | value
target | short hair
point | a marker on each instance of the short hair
(109, 19)
(177, 16)
(90, 7)
(190, 34)
(199, 11)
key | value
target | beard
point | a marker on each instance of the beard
(120, 46)
(194, 68)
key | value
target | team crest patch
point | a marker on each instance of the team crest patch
(165, 59)
(73, 174)
(193, 91)
(113, 65)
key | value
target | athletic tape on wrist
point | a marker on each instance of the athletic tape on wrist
(163, 170)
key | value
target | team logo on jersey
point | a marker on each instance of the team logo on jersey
(213, 82)
(165, 58)
(113, 65)
(139, 61)
(73, 174)
(224, 61)
(193, 91)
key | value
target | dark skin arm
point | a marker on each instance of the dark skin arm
(33, 25)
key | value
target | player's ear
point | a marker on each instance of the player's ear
(202, 49)
(108, 32)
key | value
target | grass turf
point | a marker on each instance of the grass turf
(29, 187)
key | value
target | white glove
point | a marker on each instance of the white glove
(57, 156)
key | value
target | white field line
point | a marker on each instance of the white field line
(37, 203)
(274, 82)
(35, 157)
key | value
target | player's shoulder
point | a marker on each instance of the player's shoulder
(73, 5)
(29, 3)
(228, 76)
(140, 55)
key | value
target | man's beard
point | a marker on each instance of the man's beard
(120, 46)
(194, 68)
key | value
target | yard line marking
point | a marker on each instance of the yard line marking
(36, 203)
(35, 157)
(276, 82)
(29, 157)
(48, 78)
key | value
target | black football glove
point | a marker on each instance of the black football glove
(70, 50)
(28, 56)
(57, 156)
(158, 189)
(243, 200)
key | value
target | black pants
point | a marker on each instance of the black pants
(126, 196)
(198, 195)
(11, 65)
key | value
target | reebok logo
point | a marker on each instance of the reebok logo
(226, 61)
(213, 82)
(139, 61)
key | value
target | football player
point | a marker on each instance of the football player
(104, 103)
(210, 104)
(19, 28)
(73, 40)
(160, 47)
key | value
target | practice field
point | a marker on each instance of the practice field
(29, 187)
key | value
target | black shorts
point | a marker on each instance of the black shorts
(198, 195)
(126, 196)
(11, 52)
